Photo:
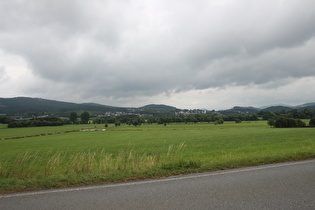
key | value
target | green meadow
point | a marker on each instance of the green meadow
(47, 157)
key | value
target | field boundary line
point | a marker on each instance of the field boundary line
(39, 134)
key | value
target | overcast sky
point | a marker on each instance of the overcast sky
(212, 54)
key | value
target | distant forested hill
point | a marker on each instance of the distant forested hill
(158, 107)
(278, 108)
(29, 105)
(22, 105)
(238, 109)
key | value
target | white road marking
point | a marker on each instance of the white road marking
(179, 177)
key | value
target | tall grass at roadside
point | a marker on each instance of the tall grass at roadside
(130, 161)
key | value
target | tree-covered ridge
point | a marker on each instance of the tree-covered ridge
(22, 105)
(26, 105)
(160, 107)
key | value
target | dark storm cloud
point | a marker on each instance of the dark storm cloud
(122, 48)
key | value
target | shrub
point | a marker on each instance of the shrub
(271, 122)
(312, 122)
(284, 122)
(237, 120)
(219, 121)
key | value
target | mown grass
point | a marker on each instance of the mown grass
(128, 152)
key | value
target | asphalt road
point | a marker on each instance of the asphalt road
(276, 186)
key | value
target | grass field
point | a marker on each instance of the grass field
(45, 157)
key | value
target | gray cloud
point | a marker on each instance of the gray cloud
(3, 73)
(122, 48)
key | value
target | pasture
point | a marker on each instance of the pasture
(46, 157)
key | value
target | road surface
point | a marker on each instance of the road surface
(275, 186)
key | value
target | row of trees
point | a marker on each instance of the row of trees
(214, 117)
(285, 122)
(192, 118)
(276, 119)
(47, 121)
(85, 117)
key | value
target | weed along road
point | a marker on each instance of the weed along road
(288, 185)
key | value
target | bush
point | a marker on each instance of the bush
(271, 122)
(312, 122)
(237, 120)
(284, 122)
(219, 121)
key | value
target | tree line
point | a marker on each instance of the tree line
(214, 117)
(285, 122)
(47, 121)
(275, 119)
